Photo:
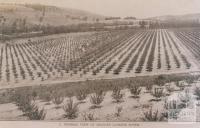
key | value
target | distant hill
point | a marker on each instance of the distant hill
(43, 15)
(177, 17)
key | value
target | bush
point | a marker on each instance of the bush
(190, 80)
(149, 88)
(22, 102)
(71, 109)
(47, 97)
(157, 93)
(197, 92)
(57, 99)
(160, 80)
(81, 95)
(172, 104)
(180, 85)
(35, 113)
(119, 110)
(169, 89)
(45, 94)
(88, 116)
(97, 98)
(167, 106)
(34, 95)
(27, 105)
(172, 109)
(117, 95)
(185, 98)
(152, 116)
(135, 90)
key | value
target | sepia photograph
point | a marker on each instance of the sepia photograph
(105, 62)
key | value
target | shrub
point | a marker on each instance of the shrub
(135, 90)
(117, 95)
(57, 99)
(152, 116)
(47, 97)
(71, 109)
(197, 92)
(88, 116)
(35, 113)
(97, 98)
(157, 93)
(22, 99)
(169, 89)
(147, 105)
(167, 106)
(81, 95)
(149, 88)
(190, 80)
(180, 85)
(118, 111)
(198, 104)
(172, 109)
(170, 105)
(34, 95)
(160, 80)
(27, 105)
(45, 94)
(185, 98)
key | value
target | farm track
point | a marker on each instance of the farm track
(103, 55)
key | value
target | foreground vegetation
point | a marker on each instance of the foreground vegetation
(71, 96)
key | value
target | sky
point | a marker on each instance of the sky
(123, 8)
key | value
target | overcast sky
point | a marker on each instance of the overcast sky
(137, 8)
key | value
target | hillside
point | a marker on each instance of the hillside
(43, 15)
(177, 17)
